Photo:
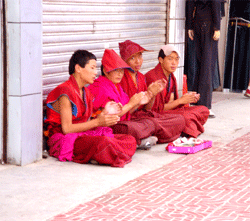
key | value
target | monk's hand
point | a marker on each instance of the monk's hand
(196, 96)
(136, 99)
(191, 34)
(106, 120)
(162, 83)
(216, 35)
(113, 108)
(157, 86)
(189, 98)
(153, 88)
(146, 98)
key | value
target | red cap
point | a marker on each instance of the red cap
(112, 61)
(128, 48)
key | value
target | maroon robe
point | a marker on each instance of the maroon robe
(129, 86)
(195, 116)
(98, 144)
(169, 126)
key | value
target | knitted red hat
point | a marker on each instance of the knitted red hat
(112, 61)
(128, 48)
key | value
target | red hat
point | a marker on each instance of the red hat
(112, 61)
(128, 48)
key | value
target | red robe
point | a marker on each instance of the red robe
(195, 116)
(98, 144)
(129, 86)
(169, 126)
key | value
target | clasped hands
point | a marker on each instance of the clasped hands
(109, 115)
(190, 97)
(153, 89)
(157, 86)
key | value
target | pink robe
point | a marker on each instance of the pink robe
(195, 116)
(143, 124)
(104, 91)
(99, 144)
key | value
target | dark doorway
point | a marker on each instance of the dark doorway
(237, 61)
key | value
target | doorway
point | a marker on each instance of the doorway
(237, 60)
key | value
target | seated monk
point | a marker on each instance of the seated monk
(107, 88)
(73, 136)
(170, 126)
(168, 100)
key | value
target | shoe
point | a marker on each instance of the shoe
(247, 93)
(146, 146)
(211, 114)
(147, 143)
(93, 162)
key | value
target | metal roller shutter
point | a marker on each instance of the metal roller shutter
(69, 25)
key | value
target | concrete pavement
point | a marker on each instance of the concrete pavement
(47, 188)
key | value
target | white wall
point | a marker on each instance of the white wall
(177, 35)
(24, 24)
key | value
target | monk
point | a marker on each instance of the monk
(107, 88)
(73, 136)
(168, 100)
(134, 82)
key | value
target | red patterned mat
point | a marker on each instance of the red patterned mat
(213, 184)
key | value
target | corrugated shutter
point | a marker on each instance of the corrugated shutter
(69, 25)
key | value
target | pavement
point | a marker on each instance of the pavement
(212, 184)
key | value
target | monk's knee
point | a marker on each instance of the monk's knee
(120, 129)
(181, 122)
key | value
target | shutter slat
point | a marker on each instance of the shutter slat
(69, 25)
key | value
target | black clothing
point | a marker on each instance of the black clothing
(203, 17)
(206, 10)
(241, 64)
(191, 67)
(241, 58)
(240, 9)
